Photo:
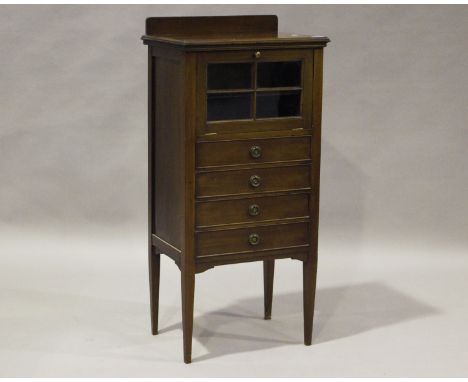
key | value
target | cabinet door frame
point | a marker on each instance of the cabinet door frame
(301, 122)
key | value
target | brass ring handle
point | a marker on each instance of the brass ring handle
(254, 239)
(254, 209)
(254, 181)
(257, 54)
(255, 152)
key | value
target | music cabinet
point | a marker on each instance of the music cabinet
(234, 129)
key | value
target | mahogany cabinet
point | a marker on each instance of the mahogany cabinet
(234, 151)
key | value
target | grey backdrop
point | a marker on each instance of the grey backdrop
(73, 167)
(73, 116)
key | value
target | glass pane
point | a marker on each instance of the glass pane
(278, 104)
(229, 76)
(278, 74)
(229, 106)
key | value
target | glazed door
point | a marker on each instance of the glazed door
(252, 91)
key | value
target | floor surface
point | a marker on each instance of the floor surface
(79, 308)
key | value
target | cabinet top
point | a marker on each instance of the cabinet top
(224, 32)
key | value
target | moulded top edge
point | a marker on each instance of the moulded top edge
(211, 42)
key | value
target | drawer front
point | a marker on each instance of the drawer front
(252, 210)
(226, 153)
(235, 182)
(211, 243)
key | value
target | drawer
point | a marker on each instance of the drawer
(238, 182)
(281, 236)
(247, 210)
(251, 151)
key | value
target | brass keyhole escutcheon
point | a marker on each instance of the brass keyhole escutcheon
(254, 209)
(254, 239)
(254, 181)
(257, 54)
(255, 152)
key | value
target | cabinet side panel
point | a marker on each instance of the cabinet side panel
(168, 192)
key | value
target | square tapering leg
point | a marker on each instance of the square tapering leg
(309, 283)
(268, 276)
(188, 292)
(154, 274)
